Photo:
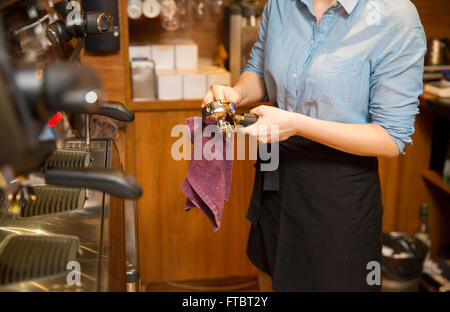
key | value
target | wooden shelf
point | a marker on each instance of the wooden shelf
(158, 105)
(436, 179)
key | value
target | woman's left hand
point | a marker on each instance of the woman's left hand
(273, 125)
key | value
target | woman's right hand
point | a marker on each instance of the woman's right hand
(218, 92)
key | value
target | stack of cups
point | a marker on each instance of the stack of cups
(134, 9)
(151, 8)
(168, 10)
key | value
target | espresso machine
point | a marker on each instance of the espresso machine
(242, 21)
(66, 205)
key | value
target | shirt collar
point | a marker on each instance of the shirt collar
(348, 5)
(309, 5)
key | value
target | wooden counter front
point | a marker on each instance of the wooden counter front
(179, 245)
(174, 244)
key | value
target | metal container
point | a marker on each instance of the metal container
(437, 52)
(242, 20)
(143, 80)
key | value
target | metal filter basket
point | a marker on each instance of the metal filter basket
(223, 113)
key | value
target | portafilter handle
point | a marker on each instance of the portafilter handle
(112, 181)
(246, 119)
(115, 110)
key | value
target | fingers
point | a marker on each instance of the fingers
(254, 132)
(233, 96)
(262, 132)
(209, 97)
(215, 93)
(219, 92)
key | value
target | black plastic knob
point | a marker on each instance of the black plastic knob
(57, 33)
(98, 23)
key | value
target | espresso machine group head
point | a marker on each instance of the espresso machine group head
(76, 23)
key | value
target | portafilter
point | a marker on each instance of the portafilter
(223, 113)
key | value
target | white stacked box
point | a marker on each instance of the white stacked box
(140, 52)
(180, 74)
(186, 55)
(169, 84)
(194, 84)
(163, 56)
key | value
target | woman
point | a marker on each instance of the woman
(345, 77)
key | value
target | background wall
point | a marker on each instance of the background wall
(434, 15)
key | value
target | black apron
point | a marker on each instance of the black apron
(316, 220)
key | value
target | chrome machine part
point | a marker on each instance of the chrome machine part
(55, 212)
(438, 52)
(76, 23)
(223, 113)
(28, 255)
(242, 20)
(48, 231)
(131, 247)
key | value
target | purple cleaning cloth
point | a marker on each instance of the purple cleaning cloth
(207, 184)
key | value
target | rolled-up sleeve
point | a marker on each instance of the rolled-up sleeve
(396, 80)
(256, 62)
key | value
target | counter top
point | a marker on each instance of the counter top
(158, 105)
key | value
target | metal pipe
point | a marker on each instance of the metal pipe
(88, 139)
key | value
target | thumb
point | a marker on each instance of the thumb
(259, 110)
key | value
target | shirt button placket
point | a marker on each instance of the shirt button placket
(291, 92)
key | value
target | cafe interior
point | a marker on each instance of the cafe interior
(92, 198)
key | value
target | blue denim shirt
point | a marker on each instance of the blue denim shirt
(362, 64)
